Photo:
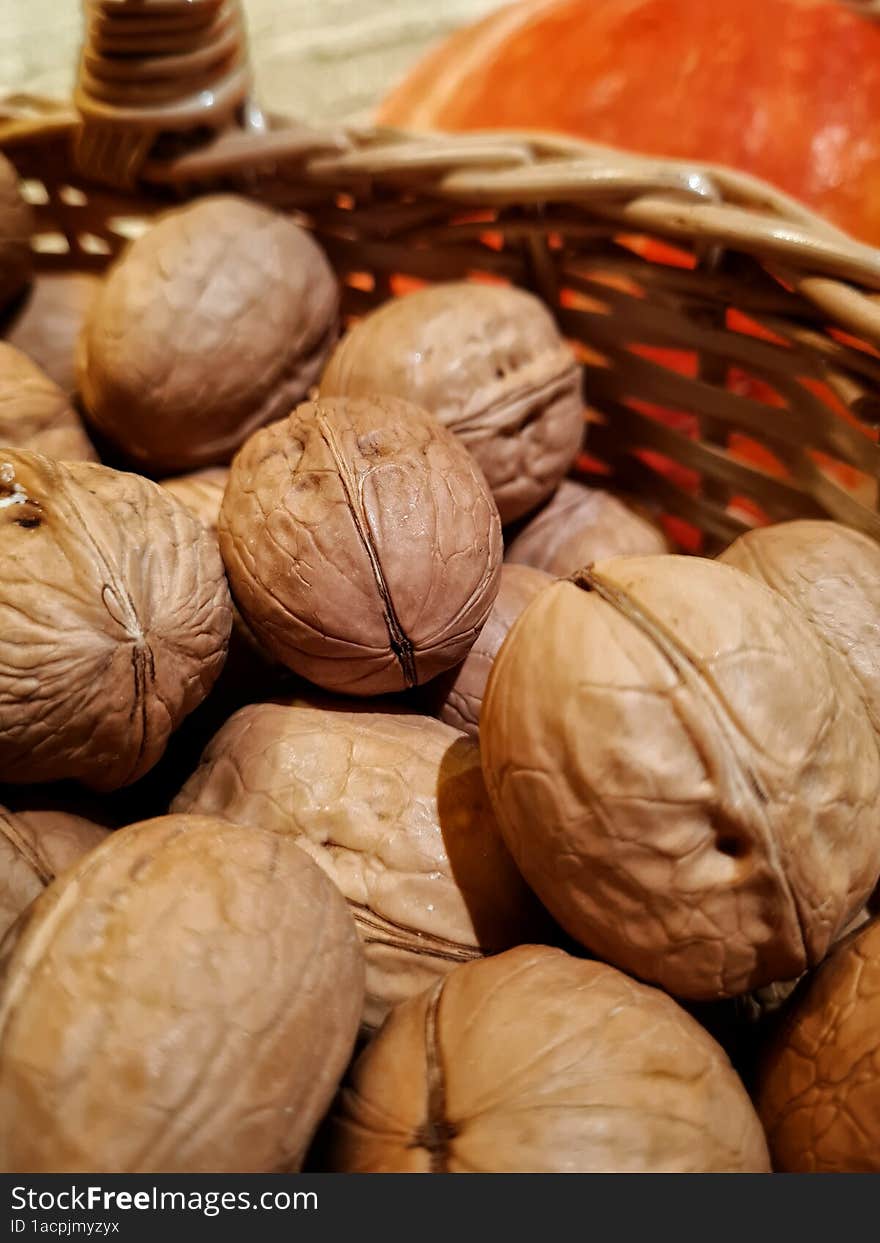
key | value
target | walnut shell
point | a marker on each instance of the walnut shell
(580, 525)
(819, 1090)
(536, 1062)
(394, 809)
(34, 848)
(361, 543)
(16, 226)
(689, 782)
(832, 575)
(47, 324)
(35, 414)
(183, 1000)
(216, 321)
(461, 691)
(201, 492)
(489, 363)
(114, 620)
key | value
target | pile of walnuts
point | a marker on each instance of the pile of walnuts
(336, 716)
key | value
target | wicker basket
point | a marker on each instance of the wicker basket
(730, 337)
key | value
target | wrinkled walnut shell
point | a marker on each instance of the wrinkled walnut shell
(183, 1000)
(819, 1091)
(460, 692)
(489, 363)
(16, 226)
(34, 847)
(394, 809)
(832, 575)
(114, 620)
(35, 414)
(47, 324)
(689, 782)
(361, 543)
(580, 525)
(536, 1062)
(216, 321)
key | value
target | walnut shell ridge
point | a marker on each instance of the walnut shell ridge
(114, 620)
(362, 545)
(537, 1062)
(690, 785)
(184, 999)
(489, 363)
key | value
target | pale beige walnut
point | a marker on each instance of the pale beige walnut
(684, 773)
(34, 847)
(361, 543)
(216, 321)
(46, 325)
(819, 1089)
(536, 1062)
(35, 414)
(114, 620)
(394, 809)
(201, 492)
(183, 1000)
(489, 363)
(460, 692)
(832, 574)
(16, 226)
(580, 525)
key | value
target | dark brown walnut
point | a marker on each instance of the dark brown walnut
(580, 525)
(114, 620)
(34, 848)
(689, 782)
(832, 574)
(47, 322)
(216, 321)
(460, 692)
(819, 1090)
(361, 543)
(489, 363)
(35, 414)
(16, 226)
(183, 1000)
(394, 809)
(536, 1062)
(201, 492)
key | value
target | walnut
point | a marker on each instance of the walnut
(536, 1062)
(361, 543)
(394, 809)
(684, 773)
(216, 321)
(183, 1000)
(35, 414)
(489, 363)
(114, 620)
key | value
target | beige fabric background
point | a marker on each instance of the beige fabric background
(322, 60)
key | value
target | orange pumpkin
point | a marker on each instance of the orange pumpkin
(786, 89)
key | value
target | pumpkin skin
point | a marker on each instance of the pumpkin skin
(788, 90)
